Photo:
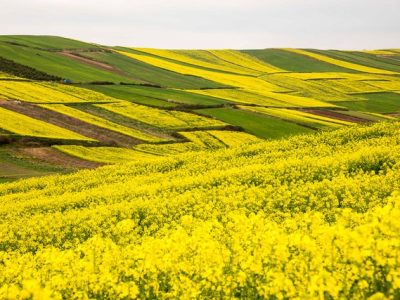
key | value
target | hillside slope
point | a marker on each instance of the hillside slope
(313, 216)
(67, 104)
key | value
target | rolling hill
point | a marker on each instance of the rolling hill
(149, 103)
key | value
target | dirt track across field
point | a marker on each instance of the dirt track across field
(55, 157)
(335, 115)
(99, 65)
(89, 61)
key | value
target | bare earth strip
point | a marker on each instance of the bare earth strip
(53, 156)
(98, 65)
(335, 115)
(104, 136)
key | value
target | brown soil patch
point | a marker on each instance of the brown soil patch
(335, 115)
(99, 65)
(89, 61)
(106, 137)
(58, 158)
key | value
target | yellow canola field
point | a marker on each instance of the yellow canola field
(264, 98)
(245, 60)
(200, 58)
(246, 82)
(213, 139)
(380, 52)
(40, 92)
(170, 119)
(300, 117)
(310, 217)
(340, 63)
(315, 89)
(240, 96)
(106, 155)
(85, 94)
(200, 141)
(24, 125)
(346, 86)
(169, 149)
(35, 92)
(234, 138)
(101, 122)
(387, 85)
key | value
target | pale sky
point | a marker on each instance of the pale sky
(238, 24)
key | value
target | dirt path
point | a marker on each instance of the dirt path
(89, 61)
(55, 157)
(335, 115)
(99, 65)
(106, 137)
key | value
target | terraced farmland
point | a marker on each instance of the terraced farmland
(86, 102)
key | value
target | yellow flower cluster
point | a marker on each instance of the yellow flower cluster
(310, 217)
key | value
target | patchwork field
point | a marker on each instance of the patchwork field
(85, 101)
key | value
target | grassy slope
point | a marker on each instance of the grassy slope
(47, 42)
(376, 102)
(257, 124)
(55, 64)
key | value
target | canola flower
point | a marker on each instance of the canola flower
(310, 217)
